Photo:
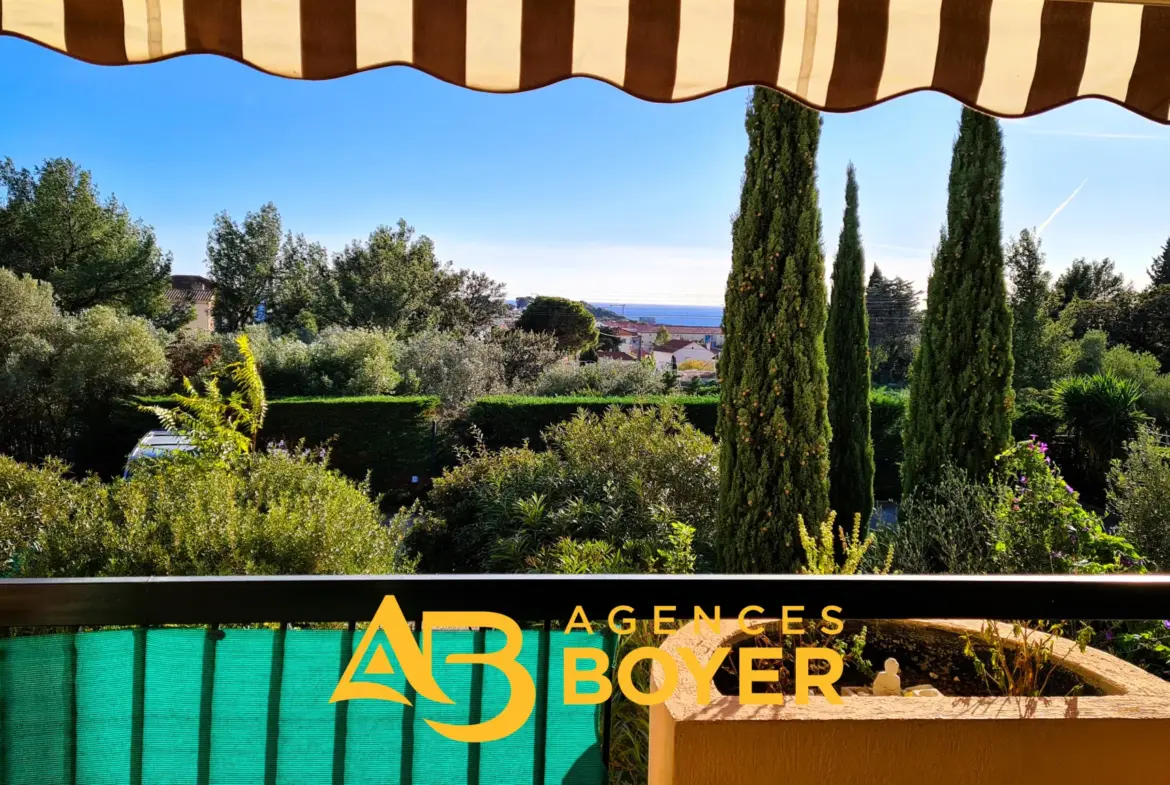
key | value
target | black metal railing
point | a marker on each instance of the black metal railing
(60, 602)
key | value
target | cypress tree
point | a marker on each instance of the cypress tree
(847, 350)
(773, 417)
(1159, 271)
(961, 379)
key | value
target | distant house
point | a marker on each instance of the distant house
(637, 338)
(674, 353)
(628, 340)
(197, 291)
(619, 356)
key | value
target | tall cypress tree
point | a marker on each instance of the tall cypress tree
(847, 350)
(773, 417)
(961, 379)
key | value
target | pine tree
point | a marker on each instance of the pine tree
(847, 351)
(773, 419)
(1035, 337)
(961, 379)
(1160, 270)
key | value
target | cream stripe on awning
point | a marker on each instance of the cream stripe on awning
(1007, 57)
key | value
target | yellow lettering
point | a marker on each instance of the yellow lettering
(835, 625)
(669, 675)
(786, 621)
(701, 616)
(628, 623)
(573, 676)
(523, 699)
(582, 622)
(704, 672)
(805, 680)
(748, 676)
(660, 620)
(744, 626)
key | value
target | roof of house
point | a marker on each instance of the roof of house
(670, 347)
(622, 356)
(619, 331)
(174, 295)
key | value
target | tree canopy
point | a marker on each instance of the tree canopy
(55, 227)
(570, 321)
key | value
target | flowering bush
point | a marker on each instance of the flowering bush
(1040, 525)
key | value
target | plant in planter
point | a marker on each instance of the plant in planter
(972, 732)
(1023, 663)
(821, 558)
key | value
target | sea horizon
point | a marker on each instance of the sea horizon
(685, 315)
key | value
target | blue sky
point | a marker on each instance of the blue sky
(576, 189)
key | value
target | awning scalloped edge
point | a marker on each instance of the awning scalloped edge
(1011, 58)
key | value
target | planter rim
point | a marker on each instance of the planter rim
(1129, 692)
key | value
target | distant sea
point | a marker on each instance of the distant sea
(685, 315)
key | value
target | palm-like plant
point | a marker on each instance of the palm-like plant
(1102, 412)
(217, 424)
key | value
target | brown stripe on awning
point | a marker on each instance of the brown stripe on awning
(214, 26)
(1149, 85)
(546, 41)
(652, 48)
(440, 38)
(757, 35)
(95, 31)
(1060, 60)
(963, 37)
(328, 38)
(862, 27)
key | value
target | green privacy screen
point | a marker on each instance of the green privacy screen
(191, 706)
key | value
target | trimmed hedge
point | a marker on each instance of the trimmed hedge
(887, 411)
(510, 420)
(396, 438)
(393, 438)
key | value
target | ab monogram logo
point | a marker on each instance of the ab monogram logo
(416, 663)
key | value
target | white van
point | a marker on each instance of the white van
(156, 443)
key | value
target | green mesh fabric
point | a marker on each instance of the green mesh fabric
(188, 706)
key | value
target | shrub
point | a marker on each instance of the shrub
(194, 354)
(606, 378)
(947, 527)
(457, 370)
(59, 373)
(1139, 494)
(1041, 527)
(1089, 356)
(524, 354)
(280, 512)
(339, 361)
(628, 479)
(1036, 412)
(513, 420)
(1101, 412)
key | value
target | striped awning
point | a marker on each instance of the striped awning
(1008, 57)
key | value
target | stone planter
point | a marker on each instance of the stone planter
(1117, 737)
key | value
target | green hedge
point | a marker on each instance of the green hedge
(510, 420)
(393, 438)
(887, 409)
(396, 439)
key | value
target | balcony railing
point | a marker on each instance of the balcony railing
(69, 700)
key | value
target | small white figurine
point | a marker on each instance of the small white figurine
(888, 682)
